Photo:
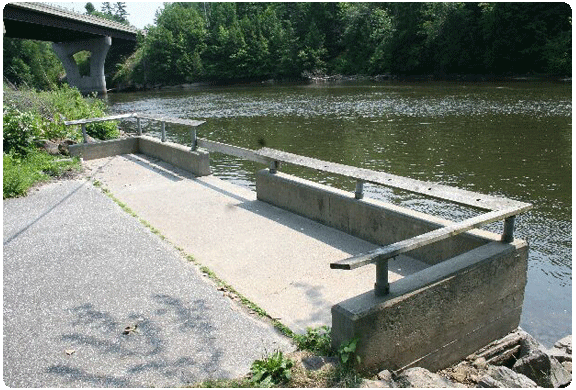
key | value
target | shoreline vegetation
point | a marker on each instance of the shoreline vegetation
(35, 140)
(239, 42)
(324, 78)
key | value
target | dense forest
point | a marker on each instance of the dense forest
(215, 41)
(231, 41)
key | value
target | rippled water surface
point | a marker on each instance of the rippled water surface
(508, 139)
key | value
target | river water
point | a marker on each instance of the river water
(509, 139)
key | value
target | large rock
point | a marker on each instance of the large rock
(48, 146)
(541, 367)
(501, 376)
(422, 378)
(63, 146)
(562, 350)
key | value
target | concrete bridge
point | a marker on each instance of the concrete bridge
(70, 33)
(450, 288)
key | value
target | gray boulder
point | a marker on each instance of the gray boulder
(543, 369)
(422, 378)
(502, 376)
(562, 350)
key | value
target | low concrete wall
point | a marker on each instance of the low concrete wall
(196, 162)
(375, 221)
(440, 315)
(471, 294)
(91, 151)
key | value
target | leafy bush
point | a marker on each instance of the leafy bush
(28, 116)
(20, 130)
(316, 340)
(52, 108)
(273, 370)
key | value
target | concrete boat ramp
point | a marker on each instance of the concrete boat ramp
(92, 298)
(277, 259)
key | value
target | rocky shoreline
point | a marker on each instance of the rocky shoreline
(516, 361)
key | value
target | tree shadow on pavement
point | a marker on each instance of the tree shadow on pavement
(170, 343)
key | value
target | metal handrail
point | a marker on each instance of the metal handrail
(187, 122)
(498, 208)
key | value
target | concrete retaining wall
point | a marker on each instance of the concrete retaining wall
(103, 149)
(440, 315)
(471, 294)
(197, 162)
(375, 221)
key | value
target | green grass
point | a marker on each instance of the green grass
(20, 173)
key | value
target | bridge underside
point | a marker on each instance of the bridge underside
(71, 33)
(96, 80)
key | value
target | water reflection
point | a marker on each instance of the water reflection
(508, 139)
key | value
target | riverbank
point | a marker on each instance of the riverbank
(319, 78)
(35, 139)
(515, 361)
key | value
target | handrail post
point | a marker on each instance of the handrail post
(139, 126)
(359, 193)
(84, 133)
(381, 287)
(194, 139)
(508, 235)
(274, 165)
(163, 131)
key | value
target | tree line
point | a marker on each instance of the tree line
(231, 41)
(228, 41)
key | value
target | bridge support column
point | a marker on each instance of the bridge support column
(95, 82)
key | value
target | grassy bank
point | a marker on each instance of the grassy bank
(33, 119)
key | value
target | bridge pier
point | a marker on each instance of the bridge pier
(96, 81)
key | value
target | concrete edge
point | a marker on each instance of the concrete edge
(196, 162)
(102, 149)
(319, 208)
(411, 284)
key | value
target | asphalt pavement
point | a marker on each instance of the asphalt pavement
(92, 298)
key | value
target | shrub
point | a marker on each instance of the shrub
(52, 108)
(20, 130)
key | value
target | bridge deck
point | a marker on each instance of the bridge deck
(277, 259)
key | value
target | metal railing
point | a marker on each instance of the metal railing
(497, 208)
(187, 122)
